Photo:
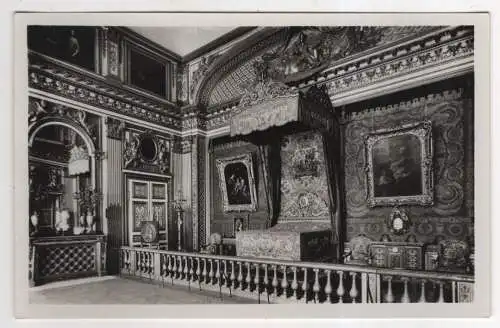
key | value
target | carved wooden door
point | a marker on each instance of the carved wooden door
(147, 201)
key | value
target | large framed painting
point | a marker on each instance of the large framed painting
(147, 72)
(237, 183)
(74, 44)
(399, 166)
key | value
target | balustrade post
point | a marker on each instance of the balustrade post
(340, 288)
(186, 271)
(174, 268)
(198, 271)
(389, 297)
(165, 269)
(133, 259)
(316, 285)
(275, 280)
(248, 278)
(98, 258)
(406, 297)
(328, 287)
(422, 292)
(226, 277)
(179, 267)
(266, 279)
(454, 292)
(191, 271)
(217, 272)
(151, 269)
(256, 280)
(240, 276)
(157, 266)
(211, 272)
(364, 287)
(204, 273)
(305, 285)
(284, 284)
(233, 276)
(441, 292)
(294, 284)
(354, 289)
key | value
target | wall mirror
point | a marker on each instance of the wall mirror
(148, 148)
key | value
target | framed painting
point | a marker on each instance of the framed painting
(147, 72)
(237, 183)
(74, 44)
(399, 166)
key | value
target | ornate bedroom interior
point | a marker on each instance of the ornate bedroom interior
(277, 164)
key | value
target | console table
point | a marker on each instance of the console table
(66, 257)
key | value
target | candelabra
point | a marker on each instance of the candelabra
(178, 208)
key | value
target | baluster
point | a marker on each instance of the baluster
(191, 272)
(422, 292)
(389, 297)
(340, 288)
(441, 292)
(453, 292)
(225, 273)
(256, 280)
(170, 267)
(328, 287)
(354, 289)
(248, 279)
(294, 284)
(211, 272)
(304, 283)
(174, 267)
(240, 276)
(164, 267)
(179, 267)
(217, 272)
(284, 284)
(198, 270)
(275, 280)
(151, 265)
(316, 285)
(204, 273)
(141, 263)
(186, 277)
(265, 282)
(233, 276)
(406, 297)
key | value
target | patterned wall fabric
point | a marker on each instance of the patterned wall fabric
(453, 173)
(304, 183)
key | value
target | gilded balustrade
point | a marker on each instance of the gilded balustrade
(277, 281)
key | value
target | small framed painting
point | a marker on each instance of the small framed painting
(237, 183)
(399, 166)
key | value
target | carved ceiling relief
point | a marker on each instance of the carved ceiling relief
(145, 151)
(198, 70)
(446, 114)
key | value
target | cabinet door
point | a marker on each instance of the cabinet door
(147, 201)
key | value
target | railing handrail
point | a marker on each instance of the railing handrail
(425, 275)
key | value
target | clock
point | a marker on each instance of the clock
(149, 232)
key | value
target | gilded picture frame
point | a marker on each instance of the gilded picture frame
(237, 183)
(399, 166)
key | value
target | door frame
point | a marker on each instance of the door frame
(127, 236)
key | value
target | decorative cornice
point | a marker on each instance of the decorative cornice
(402, 106)
(47, 76)
(413, 57)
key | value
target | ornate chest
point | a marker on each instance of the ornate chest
(298, 245)
(397, 255)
